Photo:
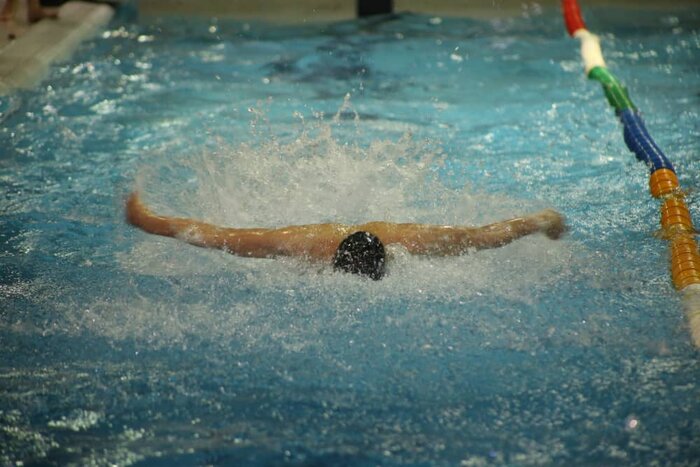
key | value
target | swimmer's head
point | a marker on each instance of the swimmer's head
(361, 253)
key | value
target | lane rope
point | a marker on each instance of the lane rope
(676, 223)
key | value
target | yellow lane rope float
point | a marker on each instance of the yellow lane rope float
(676, 223)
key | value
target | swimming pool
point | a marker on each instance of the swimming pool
(124, 348)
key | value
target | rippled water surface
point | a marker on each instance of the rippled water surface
(124, 348)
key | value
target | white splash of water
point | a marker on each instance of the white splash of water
(316, 177)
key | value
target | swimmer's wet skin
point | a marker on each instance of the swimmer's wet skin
(340, 244)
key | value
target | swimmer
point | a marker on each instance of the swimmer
(357, 249)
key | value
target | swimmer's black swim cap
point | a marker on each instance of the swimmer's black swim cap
(361, 253)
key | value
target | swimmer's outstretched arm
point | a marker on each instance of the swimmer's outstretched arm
(316, 242)
(320, 241)
(424, 239)
(548, 222)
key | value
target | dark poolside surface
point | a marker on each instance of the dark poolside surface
(124, 348)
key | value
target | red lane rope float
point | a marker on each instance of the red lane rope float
(572, 16)
(676, 223)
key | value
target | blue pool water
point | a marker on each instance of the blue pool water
(124, 348)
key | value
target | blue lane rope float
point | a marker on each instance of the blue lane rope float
(640, 142)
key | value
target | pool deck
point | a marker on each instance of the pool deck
(25, 60)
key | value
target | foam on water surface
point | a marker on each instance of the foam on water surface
(316, 178)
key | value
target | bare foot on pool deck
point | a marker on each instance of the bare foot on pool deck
(14, 30)
(35, 12)
(42, 13)
(7, 20)
(10, 28)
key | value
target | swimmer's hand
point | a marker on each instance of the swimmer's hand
(551, 223)
(138, 215)
(136, 212)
